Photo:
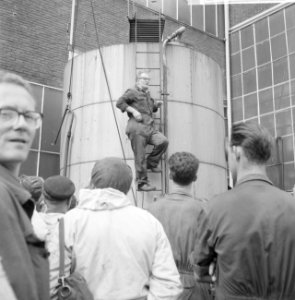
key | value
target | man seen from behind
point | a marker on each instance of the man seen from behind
(179, 213)
(121, 250)
(249, 230)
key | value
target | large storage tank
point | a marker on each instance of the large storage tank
(194, 110)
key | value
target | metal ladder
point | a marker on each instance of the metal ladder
(148, 57)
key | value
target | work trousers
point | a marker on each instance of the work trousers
(139, 143)
(193, 290)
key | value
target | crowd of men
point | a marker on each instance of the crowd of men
(240, 245)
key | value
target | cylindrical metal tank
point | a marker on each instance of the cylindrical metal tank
(194, 109)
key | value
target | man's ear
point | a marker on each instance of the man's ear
(195, 178)
(170, 176)
(237, 152)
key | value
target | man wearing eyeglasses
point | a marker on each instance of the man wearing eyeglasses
(140, 106)
(22, 254)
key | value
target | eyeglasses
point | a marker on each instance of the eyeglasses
(145, 78)
(11, 116)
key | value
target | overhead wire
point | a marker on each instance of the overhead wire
(109, 90)
(68, 111)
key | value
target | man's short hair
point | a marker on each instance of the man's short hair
(7, 77)
(33, 184)
(255, 140)
(139, 73)
(183, 167)
(111, 172)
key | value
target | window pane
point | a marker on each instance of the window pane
(263, 53)
(276, 159)
(276, 23)
(252, 121)
(220, 12)
(290, 13)
(35, 144)
(293, 92)
(250, 103)
(291, 40)
(49, 165)
(234, 42)
(155, 5)
(281, 96)
(236, 63)
(289, 176)
(293, 111)
(280, 70)
(37, 92)
(237, 110)
(184, 12)
(288, 151)
(249, 81)
(278, 46)
(236, 86)
(143, 2)
(283, 123)
(52, 119)
(170, 8)
(247, 37)
(265, 101)
(274, 174)
(29, 167)
(197, 12)
(264, 76)
(269, 123)
(248, 59)
(292, 65)
(261, 30)
(210, 19)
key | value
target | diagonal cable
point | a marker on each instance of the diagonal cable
(109, 90)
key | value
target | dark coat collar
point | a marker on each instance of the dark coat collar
(23, 196)
(254, 177)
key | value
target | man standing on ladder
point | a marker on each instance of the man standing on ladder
(140, 107)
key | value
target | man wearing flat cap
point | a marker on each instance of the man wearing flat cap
(121, 250)
(57, 192)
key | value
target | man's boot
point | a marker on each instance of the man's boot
(145, 187)
(156, 169)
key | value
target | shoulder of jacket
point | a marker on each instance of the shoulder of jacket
(5, 192)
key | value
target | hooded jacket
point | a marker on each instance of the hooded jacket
(121, 250)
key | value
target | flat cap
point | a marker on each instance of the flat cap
(58, 188)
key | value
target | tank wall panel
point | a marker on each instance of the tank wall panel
(211, 181)
(179, 73)
(207, 83)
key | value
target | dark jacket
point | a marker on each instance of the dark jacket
(179, 214)
(143, 103)
(251, 232)
(24, 257)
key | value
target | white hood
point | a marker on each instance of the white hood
(102, 199)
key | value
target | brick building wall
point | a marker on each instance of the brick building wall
(34, 34)
(33, 38)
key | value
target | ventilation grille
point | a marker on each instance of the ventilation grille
(146, 30)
